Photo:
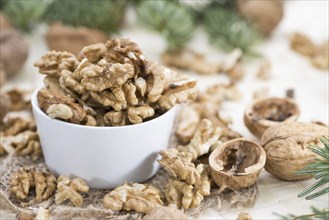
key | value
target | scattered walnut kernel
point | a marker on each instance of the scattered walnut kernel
(264, 70)
(205, 136)
(318, 54)
(302, 44)
(137, 197)
(23, 180)
(187, 195)
(286, 147)
(179, 165)
(69, 190)
(220, 92)
(188, 120)
(264, 113)
(236, 164)
(24, 143)
(16, 125)
(20, 99)
(188, 59)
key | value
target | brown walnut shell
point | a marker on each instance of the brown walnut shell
(13, 50)
(237, 163)
(265, 15)
(264, 113)
(286, 146)
(71, 39)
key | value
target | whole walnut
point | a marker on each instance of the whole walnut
(286, 147)
(4, 105)
(72, 39)
(266, 15)
(264, 113)
(13, 50)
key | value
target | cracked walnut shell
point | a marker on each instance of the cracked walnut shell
(236, 164)
(286, 147)
(264, 113)
(138, 197)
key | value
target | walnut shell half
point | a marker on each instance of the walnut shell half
(237, 163)
(264, 113)
(286, 146)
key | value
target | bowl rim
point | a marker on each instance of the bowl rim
(37, 109)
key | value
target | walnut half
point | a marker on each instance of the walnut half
(237, 163)
(264, 113)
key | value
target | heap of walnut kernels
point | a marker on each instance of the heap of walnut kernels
(109, 84)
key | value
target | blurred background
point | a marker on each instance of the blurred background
(265, 46)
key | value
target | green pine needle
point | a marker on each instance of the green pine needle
(24, 14)
(105, 15)
(174, 21)
(227, 30)
(316, 214)
(320, 170)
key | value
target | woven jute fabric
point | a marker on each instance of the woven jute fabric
(92, 207)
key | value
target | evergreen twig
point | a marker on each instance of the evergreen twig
(319, 169)
(316, 214)
(174, 21)
(228, 31)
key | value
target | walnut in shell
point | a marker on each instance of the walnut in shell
(266, 15)
(236, 164)
(264, 113)
(4, 105)
(137, 197)
(70, 190)
(13, 50)
(71, 39)
(286, 147)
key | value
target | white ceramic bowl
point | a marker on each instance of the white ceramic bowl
(104, 157)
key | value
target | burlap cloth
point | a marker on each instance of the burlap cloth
(92, 207)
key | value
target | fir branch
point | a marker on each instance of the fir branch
(319, 169)
(174, 21)
(228, 30)
(316, 214)
(24, 14)
(104, 15)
